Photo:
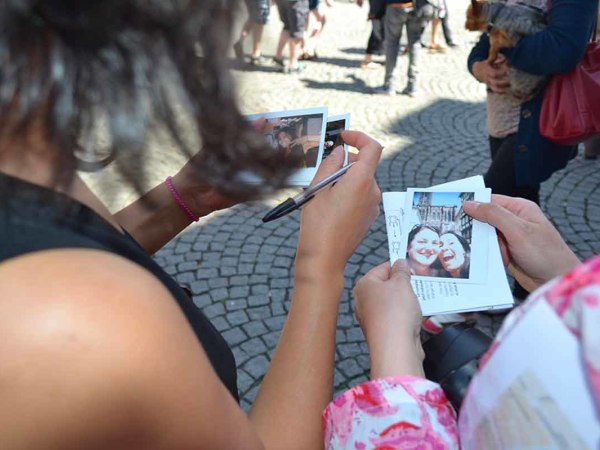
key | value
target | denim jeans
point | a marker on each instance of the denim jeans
(395, 18)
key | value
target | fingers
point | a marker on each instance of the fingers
(369, 150)
(352, 157)
(523, 208)
(333, 162)
(400, 270)
(497, 216)
(380, 272)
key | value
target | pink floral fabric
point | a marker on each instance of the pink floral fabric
(414, 413)
(391, 413)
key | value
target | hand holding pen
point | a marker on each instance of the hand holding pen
(339, 216)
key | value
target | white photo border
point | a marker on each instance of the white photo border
(300, 177)
(479, 240)
(346, 118)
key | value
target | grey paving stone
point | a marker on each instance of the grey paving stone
(244, 381)
(235, 336)
(270, 339)
(254, 346)
(199, 287)
(214, 310)
(202, 301)
(239, 292)
(219, 294)
(259, 313)
(236, 318)
(258, 300)
(234, 305)
(255, 328)
(257, 366)
(350, 368)
(218, 282)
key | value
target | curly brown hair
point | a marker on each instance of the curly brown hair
(127, 66)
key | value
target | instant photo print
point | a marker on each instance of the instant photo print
(333, 134)
(441, 239)
(299, 134)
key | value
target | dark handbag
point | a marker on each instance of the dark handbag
(567, 116)
(452, 358)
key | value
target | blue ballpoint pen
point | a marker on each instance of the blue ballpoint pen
(293, 203)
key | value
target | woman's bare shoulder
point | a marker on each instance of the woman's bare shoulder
(95, 350)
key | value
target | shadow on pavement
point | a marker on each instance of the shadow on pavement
(354, 84)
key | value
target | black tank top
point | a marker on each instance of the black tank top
(33, 218)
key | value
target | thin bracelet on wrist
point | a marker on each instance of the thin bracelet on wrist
(182, 204)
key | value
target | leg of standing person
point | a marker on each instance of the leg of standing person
(592, 148)
(414, 30)
(262, 16)
(500, 177)
(394, 20)
(314, 27)
(284, 36)
(447, 31)
(238, 46)
(374, 45)
(435, 32)
(297, 17)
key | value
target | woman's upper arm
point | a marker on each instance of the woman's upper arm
(559, 47)
(96, 354)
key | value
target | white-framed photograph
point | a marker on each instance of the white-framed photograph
(441, 241)
(299, 134)
(333, 134)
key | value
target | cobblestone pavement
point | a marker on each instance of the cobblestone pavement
(240, 270)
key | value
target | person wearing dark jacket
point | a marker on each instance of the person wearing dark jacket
(521, 157)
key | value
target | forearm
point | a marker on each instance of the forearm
(154, 219)
(298, 385)
(403, 356)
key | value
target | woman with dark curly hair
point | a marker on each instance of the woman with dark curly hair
(100, 346)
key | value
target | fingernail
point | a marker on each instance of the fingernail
(472, 204)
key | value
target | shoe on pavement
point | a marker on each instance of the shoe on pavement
(370, 65)
(384, 90)
(257, 61)
(279, 62)
(411, 91)
(437, 48)
(238, 49)
(296, 69)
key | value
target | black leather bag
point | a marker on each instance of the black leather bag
(452, 358)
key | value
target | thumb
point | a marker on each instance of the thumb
(496, 215)
(400, 270)
(333, 163)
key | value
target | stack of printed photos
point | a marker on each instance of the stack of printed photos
(309, 135)
(455, 260)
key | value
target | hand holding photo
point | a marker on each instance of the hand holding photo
(455, 260)
(298, 134)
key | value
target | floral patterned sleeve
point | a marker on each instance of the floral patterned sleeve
(391, 413)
